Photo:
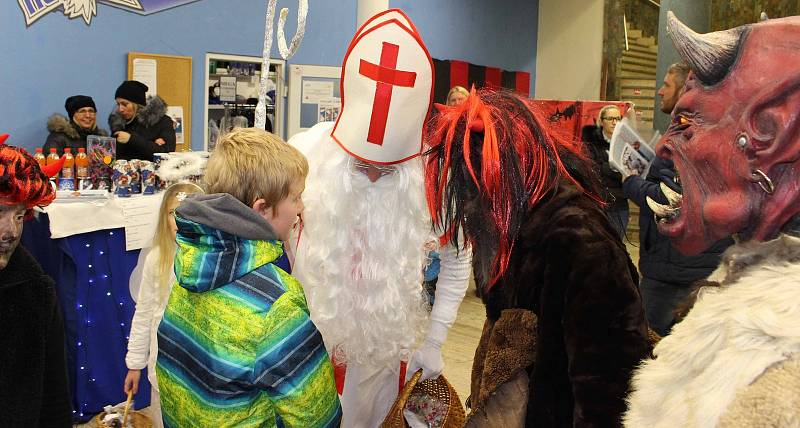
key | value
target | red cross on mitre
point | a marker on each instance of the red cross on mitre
(386, 91)
(386, 76)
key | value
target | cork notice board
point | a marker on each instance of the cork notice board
(174, 85)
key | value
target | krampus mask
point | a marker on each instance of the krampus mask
(735, 135)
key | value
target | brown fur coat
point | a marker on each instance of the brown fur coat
(570, 269)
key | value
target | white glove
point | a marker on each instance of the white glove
(428, 357)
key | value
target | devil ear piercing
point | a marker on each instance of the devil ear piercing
(742, 140)
(764, 181)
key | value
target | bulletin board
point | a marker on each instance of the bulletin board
(314, 96)
(173, 76)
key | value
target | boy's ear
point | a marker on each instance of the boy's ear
(261, 208)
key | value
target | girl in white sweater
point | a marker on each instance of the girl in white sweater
(157, 279)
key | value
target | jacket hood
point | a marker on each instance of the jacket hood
(220, 240)
(151, 113)
(64, 125)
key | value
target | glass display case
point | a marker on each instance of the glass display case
(231, 95)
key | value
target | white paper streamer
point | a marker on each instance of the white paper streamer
(286, 52)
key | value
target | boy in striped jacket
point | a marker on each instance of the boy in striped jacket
(237, 347)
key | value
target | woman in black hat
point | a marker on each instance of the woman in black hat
(140, 123)
(71, 131)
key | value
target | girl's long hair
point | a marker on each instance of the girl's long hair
(163, 241)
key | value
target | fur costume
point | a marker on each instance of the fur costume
(734, 335)
(525, 199)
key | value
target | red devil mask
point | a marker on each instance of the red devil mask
(734, 135)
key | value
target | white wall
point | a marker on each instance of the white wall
(569, 50)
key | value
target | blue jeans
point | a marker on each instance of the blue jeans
(659, 300)
(619, 220)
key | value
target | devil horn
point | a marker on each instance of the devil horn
(709, 55)
(52, 170)
(3, 139)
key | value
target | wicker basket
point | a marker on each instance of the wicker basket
(137, 419)
(433, 390)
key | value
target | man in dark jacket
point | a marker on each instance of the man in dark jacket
(33, 364)
(667, 275)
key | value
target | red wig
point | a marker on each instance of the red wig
(491, 160)
(22, 182)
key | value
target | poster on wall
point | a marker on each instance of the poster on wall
(33, 10)
(176, 114)
(328, 109)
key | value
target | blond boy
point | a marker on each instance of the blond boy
(236, 344)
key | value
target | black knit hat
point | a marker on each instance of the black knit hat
(77, 102)
(132, 91)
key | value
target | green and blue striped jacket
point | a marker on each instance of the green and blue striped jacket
(237, 347)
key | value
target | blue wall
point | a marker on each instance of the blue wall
(57, 57)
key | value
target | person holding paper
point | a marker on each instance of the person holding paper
(140, 123)
(597, 140)
(667, 275)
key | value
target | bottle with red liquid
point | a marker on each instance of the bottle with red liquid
(52, 158)
(67, 180)
(82, 170)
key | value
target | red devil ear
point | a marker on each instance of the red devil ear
(52, 170)
(3, 139)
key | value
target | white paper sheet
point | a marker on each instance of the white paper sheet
(314, 91)
(145, 71)
(140, 216)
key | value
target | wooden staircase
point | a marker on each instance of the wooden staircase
(638, 81)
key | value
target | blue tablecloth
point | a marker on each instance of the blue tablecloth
(92, 272)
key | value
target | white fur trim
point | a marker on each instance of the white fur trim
(730, 337)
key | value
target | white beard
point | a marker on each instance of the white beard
(360, 255)
(83, 8)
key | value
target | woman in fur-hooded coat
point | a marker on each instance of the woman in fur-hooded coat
(140, 123)
(71, 130)
(565, 325)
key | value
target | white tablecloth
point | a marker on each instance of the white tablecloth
(76, 217)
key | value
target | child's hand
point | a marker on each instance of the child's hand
(132, 381)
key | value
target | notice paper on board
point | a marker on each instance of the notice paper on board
(140, 214)
(145, 71)
(316, 91)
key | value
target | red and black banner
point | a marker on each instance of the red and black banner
(451, 73)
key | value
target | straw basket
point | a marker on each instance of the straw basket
(438, 392)
(137, 419)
